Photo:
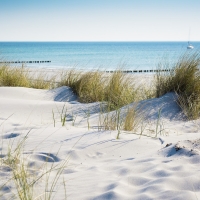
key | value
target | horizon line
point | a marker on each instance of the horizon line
(100, 41)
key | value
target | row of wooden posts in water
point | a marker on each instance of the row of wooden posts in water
(108, 71)
(141, 71)
(46, 61)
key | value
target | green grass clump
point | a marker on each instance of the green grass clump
(20, 77)
(90, 87)
(13, 76)
(184, 79)
(42, 81)
(131, 119)
(70, 78)
(117, 89)
(127, 119)
(120, 90)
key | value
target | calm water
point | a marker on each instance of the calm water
(93, 55)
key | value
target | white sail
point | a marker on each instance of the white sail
(189, 46)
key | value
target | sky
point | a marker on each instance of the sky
(100, 20)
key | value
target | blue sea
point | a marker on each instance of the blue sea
(94, 55)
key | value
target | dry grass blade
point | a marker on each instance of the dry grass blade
(131, 120)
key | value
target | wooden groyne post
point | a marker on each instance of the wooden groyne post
(140, 71)
(12, 62)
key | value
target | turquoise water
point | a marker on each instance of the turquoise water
(93, 55)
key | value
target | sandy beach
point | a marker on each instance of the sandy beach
(77, 160)
(99, 100)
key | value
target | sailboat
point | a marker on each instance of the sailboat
(189, 46)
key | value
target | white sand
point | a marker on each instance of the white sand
(98, 165)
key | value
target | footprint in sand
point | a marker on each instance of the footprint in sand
(5, 169)
(10, 135)
(95, 155)
(5, 189)
(2, 155)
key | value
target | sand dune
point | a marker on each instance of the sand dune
(98, 166)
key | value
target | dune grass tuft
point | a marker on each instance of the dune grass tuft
(13, 76)
(117, 89)
(128, 118)
(184, 79)
(21, 77)
(69, 78)
(120, 90)
(90, 87)
(42, 81)
(131, 119)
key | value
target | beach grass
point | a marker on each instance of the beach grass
(21, 77)
(120, 90)
(41, 81)
(183, 78)
(132, 119)
(69, 78)
(117, 88)
(90, 87)
(13, 76)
